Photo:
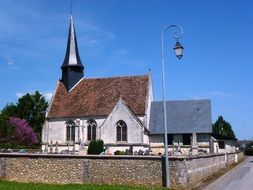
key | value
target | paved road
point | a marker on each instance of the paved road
(241, 178)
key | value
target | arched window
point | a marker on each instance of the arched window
(92, 129)
(121, 131)
(70, 135)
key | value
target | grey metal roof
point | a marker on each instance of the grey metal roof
(72, 55)
(186, 116)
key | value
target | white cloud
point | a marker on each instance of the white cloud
(19, 94)
(9, 61)
(48, 96)
(6, 59)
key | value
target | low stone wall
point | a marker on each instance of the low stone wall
(126, 170)
(190, 171)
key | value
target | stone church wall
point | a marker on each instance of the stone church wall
(55, 131)
(125, 170)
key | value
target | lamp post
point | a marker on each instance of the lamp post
(179, 53)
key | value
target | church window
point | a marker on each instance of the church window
(70, 130)
(92, 129)
(121, 131)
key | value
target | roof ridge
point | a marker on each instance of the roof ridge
(183, 100)
(126, 76)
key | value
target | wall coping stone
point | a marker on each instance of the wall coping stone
(130, 157)
(28, 155)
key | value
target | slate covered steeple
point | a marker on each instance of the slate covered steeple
(72, 68)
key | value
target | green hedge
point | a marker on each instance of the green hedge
(96, 147)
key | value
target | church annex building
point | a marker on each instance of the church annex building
(120, 111)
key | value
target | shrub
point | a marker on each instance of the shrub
(249, 152)
(122, 153)
(249, 149)
(118, 152)
(96, 147)
(23, 133)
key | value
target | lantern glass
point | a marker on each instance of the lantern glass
(179, 50)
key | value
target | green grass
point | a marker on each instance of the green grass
(7, 185)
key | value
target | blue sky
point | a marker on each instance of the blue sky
(123, 37)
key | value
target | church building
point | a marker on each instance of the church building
(114, 109)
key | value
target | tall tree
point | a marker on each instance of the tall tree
(32, 107)
(223, 127)
(8, 111)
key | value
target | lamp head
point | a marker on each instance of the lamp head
(178, 50)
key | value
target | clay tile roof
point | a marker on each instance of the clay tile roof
(98, 96)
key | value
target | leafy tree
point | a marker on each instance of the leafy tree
(33, 109)
(249, 149)
(8, 111)
(223, 127)
(23, 133)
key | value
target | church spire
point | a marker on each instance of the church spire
(72, 68)
(72, 54)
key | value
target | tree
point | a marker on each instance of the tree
(223, 127)
(23, 133)
(32, 107)
(8, 111)
(249, 149)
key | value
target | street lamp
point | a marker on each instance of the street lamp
(179, 53)
(178, 50)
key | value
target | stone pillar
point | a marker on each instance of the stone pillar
(173, 148)
(51, 147)
(83, 131)
(194, 144)
(81, 147)
(46, 148)
(74, 147)
(68, 146)
(77, 122)
(56, 147)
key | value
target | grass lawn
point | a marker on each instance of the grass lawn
(7, 185)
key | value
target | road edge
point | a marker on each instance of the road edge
(209, 185)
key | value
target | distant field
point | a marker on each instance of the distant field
(6, 185)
